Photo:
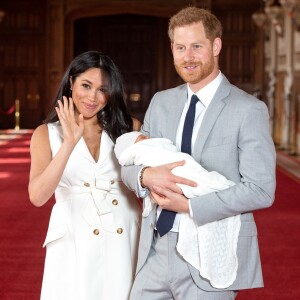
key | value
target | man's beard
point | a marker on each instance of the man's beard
(203, 71)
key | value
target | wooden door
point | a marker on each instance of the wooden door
(139, 46)
(22, 63)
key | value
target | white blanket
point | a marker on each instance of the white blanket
(210, 248)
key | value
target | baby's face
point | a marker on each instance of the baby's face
(141, 137)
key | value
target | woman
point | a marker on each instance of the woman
(94, 225)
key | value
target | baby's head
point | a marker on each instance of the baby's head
(141, 137)
(126, 140)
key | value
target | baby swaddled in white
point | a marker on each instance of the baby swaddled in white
(198, 245)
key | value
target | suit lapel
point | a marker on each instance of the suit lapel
(84, 150)
(214, 109)
(106, 146)
(175, 112)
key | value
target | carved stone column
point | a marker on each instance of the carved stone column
(288, 80)
(296, 52)
(270, 55)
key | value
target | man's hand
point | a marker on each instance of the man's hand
(162, 184)
(171, 201)
(161, 176)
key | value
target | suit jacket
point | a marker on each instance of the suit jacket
(233, 140)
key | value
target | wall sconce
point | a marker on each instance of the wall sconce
(135, 97)
(270, 10)
(259, 19)
(295, 15)
(274, 13)
(289, 5)
(2, 14)
(293, 9)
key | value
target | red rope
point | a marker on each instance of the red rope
(8, 112)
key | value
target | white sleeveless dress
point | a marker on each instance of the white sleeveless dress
(92, 239)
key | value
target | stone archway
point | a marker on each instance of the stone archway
(62, 16)
(136, 40)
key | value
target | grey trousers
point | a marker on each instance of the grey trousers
(165, 276)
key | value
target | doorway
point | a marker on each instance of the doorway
(139, 46)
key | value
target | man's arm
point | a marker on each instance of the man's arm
(129, 176)
(256, 166)
(162, 184)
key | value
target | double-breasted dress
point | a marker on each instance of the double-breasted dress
(92, 239)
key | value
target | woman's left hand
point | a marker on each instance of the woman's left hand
(72, 130)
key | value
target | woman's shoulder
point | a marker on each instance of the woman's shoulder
(40, 136)
(40, 130)
(44, 131)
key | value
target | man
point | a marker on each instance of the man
(229, 134)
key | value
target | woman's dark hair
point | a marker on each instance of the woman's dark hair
(114, 118)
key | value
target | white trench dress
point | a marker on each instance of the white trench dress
(92, 239)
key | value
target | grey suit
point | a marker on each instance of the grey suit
(233, 140)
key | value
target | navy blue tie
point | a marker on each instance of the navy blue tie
(166, 218)
(186, 142)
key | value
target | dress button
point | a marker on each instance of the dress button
(119, 230)
(86, 184)
(115, 202)
(96, 231)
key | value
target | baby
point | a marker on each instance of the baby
(198, 245)
(135, 148)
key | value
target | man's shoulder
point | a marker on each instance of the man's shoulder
(240, 96)
(167, 98)
(172, 91)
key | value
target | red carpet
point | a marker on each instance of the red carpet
(23, 228)
(279, 240)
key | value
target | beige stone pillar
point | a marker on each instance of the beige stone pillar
(286, 67)
(270, 68)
